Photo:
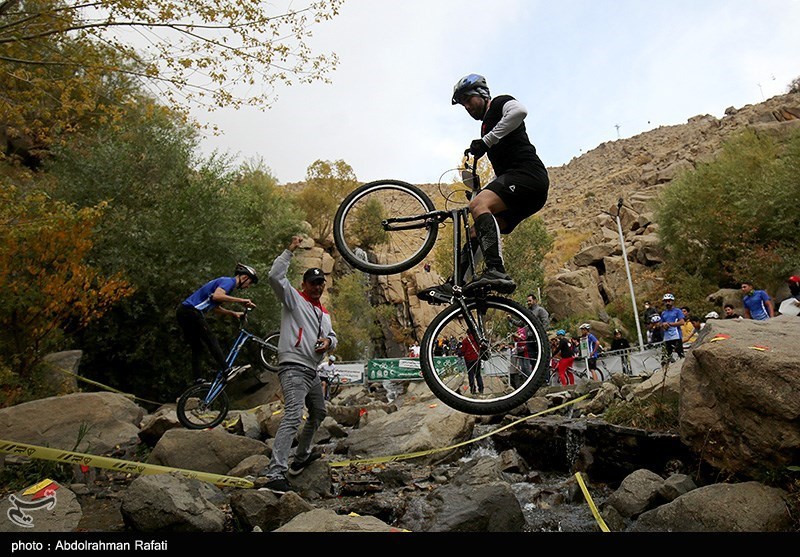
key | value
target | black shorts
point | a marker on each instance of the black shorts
(524, 194)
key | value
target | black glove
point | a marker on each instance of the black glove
(477, 148)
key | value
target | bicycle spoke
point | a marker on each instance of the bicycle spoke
(362, 237)
(505, 376)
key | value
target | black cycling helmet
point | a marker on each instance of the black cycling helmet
(242, 269)
(473, 84)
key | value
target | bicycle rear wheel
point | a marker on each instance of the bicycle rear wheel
(194, 413)
(364, 241)
(508, 379)
(334, 387)
(268, 351)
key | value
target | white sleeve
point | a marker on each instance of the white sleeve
(513, 114)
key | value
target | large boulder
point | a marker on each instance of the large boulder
(413, 428)
(172, 503)
(575, 293)
(742, 507)
(215, 451)
(93, 423)
(740, 395)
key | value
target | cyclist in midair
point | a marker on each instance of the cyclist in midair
(519, 190)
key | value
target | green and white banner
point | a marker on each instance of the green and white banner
(407, 369)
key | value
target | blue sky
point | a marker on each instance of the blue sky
(589, 71)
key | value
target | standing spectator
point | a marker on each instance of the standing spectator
(671, 321)
(191, 314)
(730, 312)
(566, 357)
(794, 289)
(655, 332)
(757, 303)
(520, 361)
(690, 328)
(306, 335)
(649, 312)
(623, 346)
(594, 348)
(538, 311)
(472, 359)
(326, 371)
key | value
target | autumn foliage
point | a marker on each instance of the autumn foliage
(46, 285)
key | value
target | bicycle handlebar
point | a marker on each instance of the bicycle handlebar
(243, 318)
(469, 175)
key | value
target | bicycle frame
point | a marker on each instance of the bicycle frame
(461, 231)
(221, 379)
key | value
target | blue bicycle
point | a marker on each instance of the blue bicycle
(205, 405)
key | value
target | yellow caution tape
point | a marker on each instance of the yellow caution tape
(107, 388)
(406, 456)
(115, 464)
(588, 497)
(134, 397)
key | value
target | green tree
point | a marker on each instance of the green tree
(732, 219)
(174, 221)
(327, 183)
(524, 251)
(354, 319)
(735, 219)
(366, 224)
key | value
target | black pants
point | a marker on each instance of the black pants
(198, 334)
(673, 346)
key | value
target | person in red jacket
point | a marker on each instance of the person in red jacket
(472, 359)
(566, 359)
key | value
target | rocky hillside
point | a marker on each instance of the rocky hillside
(584, 191)
(643, 163)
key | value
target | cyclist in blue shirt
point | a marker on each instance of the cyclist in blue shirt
(757, 303)
(593, 344)
(671, 321)
(191, 313)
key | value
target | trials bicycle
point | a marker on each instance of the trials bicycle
(389, 226)
(205, 405)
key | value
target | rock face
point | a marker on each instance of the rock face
(740, 395)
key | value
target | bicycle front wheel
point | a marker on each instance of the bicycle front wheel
(368, 243)
(195, 413)
(268, 351)
(504, 378)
